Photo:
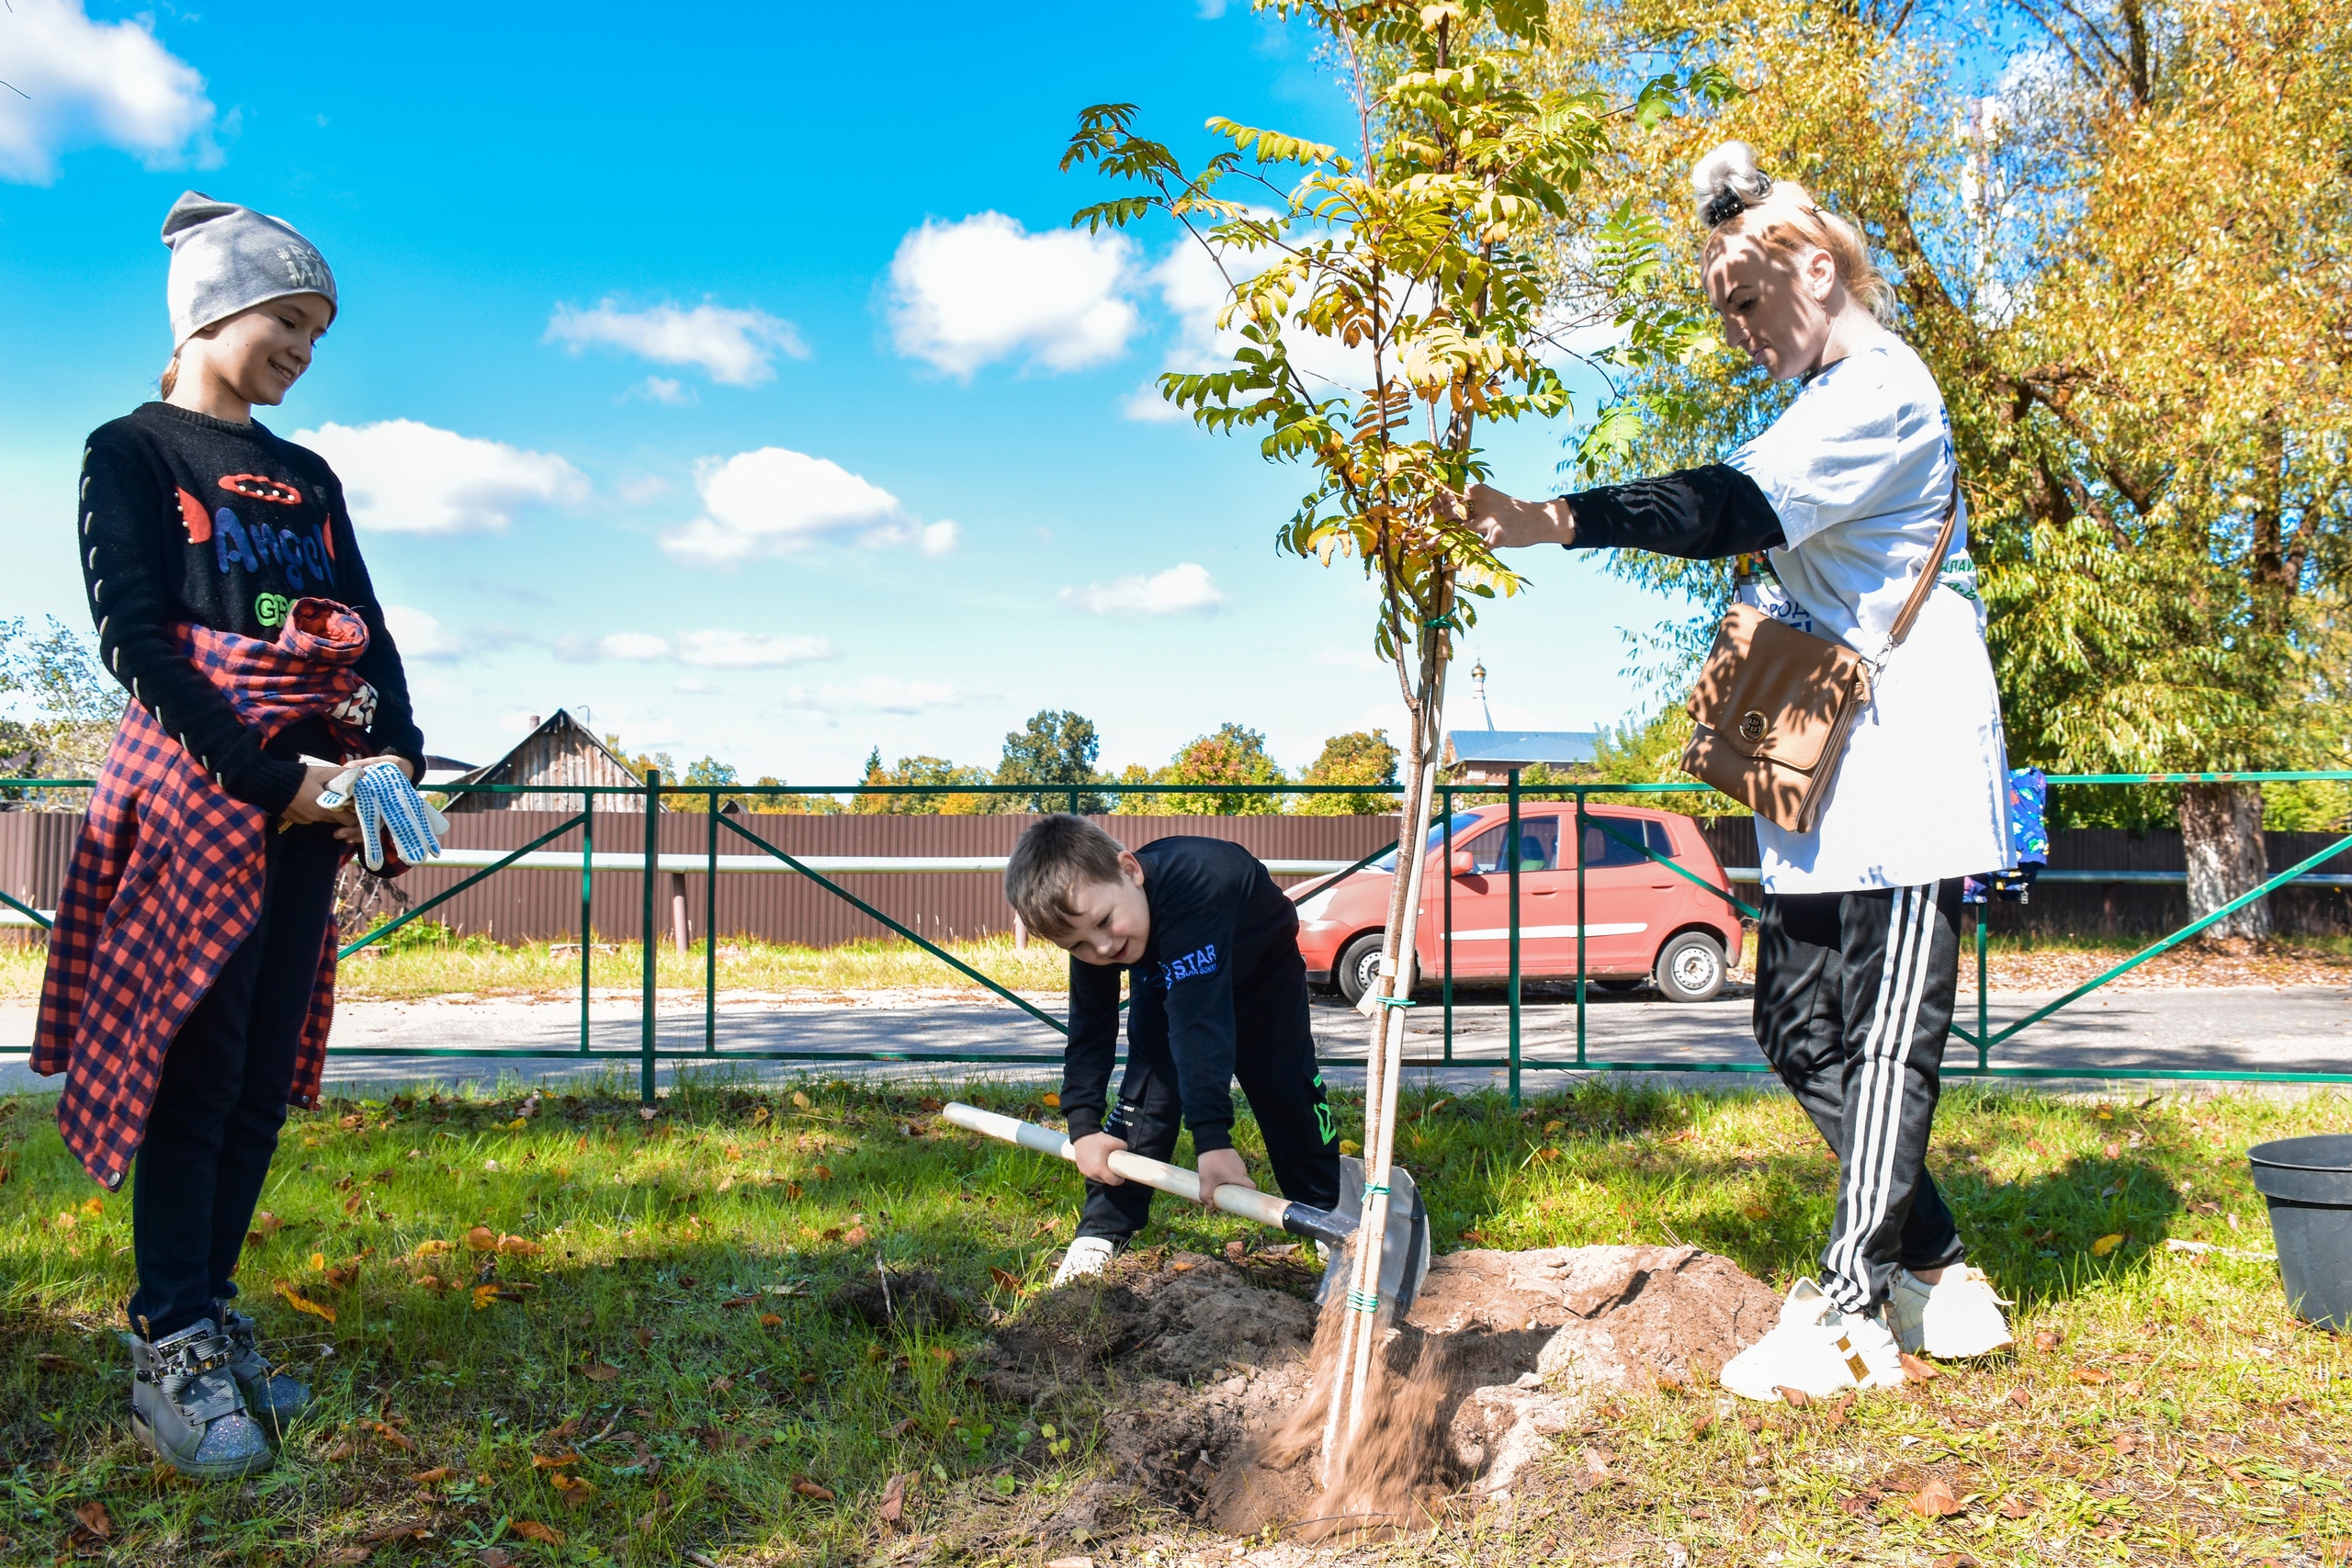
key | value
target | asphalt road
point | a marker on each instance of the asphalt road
(2253, 1028)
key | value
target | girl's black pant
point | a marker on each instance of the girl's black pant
(1854, 995)
(1273, 1060)
(221, 1098)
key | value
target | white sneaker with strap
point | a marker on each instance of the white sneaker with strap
(1957, 1317)
(1816, 1349)
(1087, 1257)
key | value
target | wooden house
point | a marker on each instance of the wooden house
(557, 751)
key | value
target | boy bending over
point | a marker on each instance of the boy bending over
(1218, 992)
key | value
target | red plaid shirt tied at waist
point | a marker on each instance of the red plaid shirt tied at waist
(166, 881)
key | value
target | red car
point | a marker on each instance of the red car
(1646, 923)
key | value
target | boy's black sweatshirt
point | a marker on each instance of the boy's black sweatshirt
(185, 517)
(1217, 919)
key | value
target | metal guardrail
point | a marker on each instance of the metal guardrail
(772, 858)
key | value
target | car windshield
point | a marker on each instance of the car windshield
(1462, 822)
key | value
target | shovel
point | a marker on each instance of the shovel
(1404, 1260)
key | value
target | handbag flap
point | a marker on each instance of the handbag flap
(1772, 691)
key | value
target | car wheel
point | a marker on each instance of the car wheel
(1620, 984)
(1358, 965)
(1691, 968)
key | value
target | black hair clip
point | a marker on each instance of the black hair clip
(1723, 205)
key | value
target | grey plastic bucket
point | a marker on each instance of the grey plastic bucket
(2308, 1183)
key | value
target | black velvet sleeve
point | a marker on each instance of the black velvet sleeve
(1697, 514)
(1094, 1047)
(128, 512)
(394, 731)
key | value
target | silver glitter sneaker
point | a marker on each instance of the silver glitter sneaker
(185, 1405)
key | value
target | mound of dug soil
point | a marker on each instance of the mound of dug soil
(1501, 1352)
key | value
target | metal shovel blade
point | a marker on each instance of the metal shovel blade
(1405, 1253)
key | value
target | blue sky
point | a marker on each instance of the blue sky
(731, 373)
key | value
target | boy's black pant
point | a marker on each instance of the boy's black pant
(1274, 1059)
(221, 1098)
(1853, 999)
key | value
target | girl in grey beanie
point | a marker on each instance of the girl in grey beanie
(199, 529)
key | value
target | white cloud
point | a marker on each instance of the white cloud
(941, 538)
(773, 502)
(967, 294)
(737, 348)
(77, 83)
(419, 637)
(405, 478)
(662, 390)
(750, 650)
(713, 649)
(876, 694)
(1171, 592)
(636, 647)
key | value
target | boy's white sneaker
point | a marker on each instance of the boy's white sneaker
(1816, 1350)
(1957, 1317)
(1087, 1257)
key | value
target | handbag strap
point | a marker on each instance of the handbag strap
(1928, 573)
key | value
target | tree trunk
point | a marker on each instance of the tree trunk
(2220, 832)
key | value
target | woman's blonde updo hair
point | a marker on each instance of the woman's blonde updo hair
(1737, 198)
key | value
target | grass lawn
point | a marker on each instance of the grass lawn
(655, 1369)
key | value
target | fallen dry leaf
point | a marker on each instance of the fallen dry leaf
(1915, 1370)
(482, 1238)
(343, 1276)
(2126, 1444)
(2091, 1375)
(496, 1557)
(434, 1477)
(1005, 1278)
(1700, 1425)
(501, 1291)
(801, 1100)
(554, 1460)
(858, 1236)
(341, 1451)
(598, 1371)
(2047, 1339)
(531, 1529)
(94, 1517)
(1797, 1398)
(722, 1383)
(1053, 1101)
(2019, 1398)
(1935, 1501)
(792, 1189)
(1756, 1211)
(808, 1488)
(344, 1556)
(433, 1248)
(1596, 1463)
(576, 1491)
(893, 1509)
(770, 1320)
(517, 1247)
(1955, 1560)
(2113, 1151)
(2016, 1505)
(393, 1434)
(411, 1529)
(2107, 1243)
(822, 1173)
(301, 1302)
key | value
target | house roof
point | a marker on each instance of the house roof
(560, 750)
(1521, 748)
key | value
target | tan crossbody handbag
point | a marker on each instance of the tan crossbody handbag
(1774, 704)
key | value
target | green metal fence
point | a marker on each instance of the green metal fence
(654, 791)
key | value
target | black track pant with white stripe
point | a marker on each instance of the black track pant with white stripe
(1854, 995)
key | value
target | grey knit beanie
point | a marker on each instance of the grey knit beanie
(227, 258)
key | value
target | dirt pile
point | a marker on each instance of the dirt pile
(1217, 1414)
